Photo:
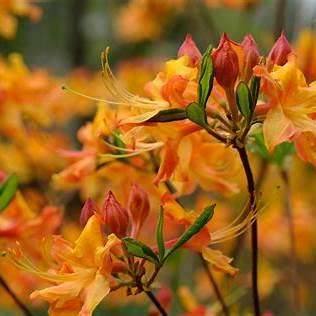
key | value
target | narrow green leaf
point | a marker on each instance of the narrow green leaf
(169, 115)
(140, 250)
(200, 222)
(255, 89)
(244, 100)
(206, 78)
(8, 190)
(160, 238)
(196, 114)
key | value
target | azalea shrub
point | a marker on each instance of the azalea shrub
(182, 186)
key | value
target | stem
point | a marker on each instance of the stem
(215, 135)
(254, 228)
(260, 179)
(215, 286)
(293, 256)
(219, 296)
(18, 302)
(153, 298)
(279, 18)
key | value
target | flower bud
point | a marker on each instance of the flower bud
(138, 208)
(225, 62)
(89, 209)
(251, 56)
(114, 215)
(190, 49)
(279, 52)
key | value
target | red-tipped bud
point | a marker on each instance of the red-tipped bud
(115, 216)
(190, 49)
(279, 52)
(251, 56)
(89, 209)
(138, 208)
(225, 62)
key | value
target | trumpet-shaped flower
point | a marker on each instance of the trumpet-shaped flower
(290, 106)
(205, 238)
(83, 273)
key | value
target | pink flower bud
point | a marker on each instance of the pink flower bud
(89, 209)
(279, 52)
(251, 56)
(225, 62)
(114, 215)
(190, 49)
(138, 208)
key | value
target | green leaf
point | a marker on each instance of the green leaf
(255, 88)
(206, 78)
(196, 114)
(140, 250)
(281, 152)
(244, 100)
(160, 238)
(8, 190)
(169, 115)
(279, 155)
(199, 223)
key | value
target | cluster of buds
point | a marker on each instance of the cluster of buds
(233, 60)
(115, 216)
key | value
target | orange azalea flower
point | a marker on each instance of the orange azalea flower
(21, 221)
(18, 222)
(290, 106)
(201, 241)
(82, 276)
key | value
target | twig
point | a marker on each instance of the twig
(259, 182)
(153, 298)
(254, 228)
(293, 256)
(214, 285)
(18, 302)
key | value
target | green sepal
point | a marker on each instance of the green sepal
(8, 190)
(140, 250)
(196, 114)
(244, 100)
(255, 89)
(160, 237)
(206, 78)
(169, 115)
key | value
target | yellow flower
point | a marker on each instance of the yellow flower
(82, 277)
(291, 104)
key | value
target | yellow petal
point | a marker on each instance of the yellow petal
(94, 294)
(219, 261)
(180, 67)
(277, 128)
(89, 240)
(64, 291)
